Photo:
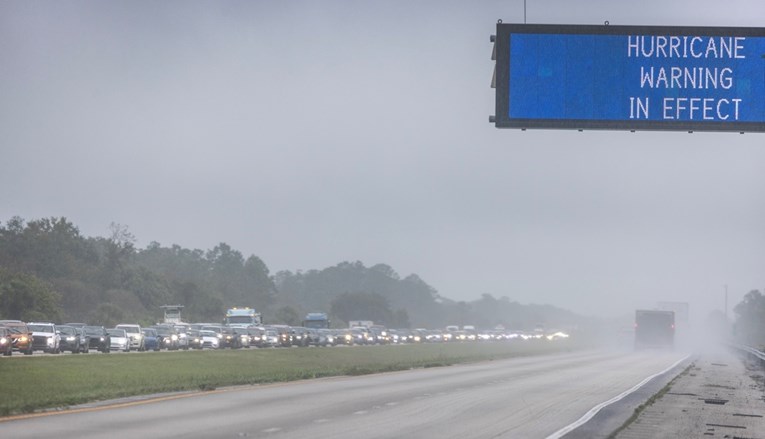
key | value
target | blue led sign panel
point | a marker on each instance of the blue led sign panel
(628, 77)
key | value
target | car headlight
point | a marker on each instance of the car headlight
(23, 338)
(102, 339)
(70, 339)
(3, 340)
(174, 337)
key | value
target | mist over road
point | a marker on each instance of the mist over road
(515, 398)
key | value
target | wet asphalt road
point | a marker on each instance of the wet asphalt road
(529, 397)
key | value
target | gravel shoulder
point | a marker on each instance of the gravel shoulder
(720, 395)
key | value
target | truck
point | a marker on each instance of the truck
(654, 329)
(316, 320)
(360, 324)
(242, 317)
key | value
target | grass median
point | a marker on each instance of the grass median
(34, 383)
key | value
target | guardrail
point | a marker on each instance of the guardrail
(753, 353)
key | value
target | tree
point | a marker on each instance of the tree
(750, 323)
(227, 275)
(26, 297)
(288, 316)
(362, 306)
(259, 285)
(107, 315)
(118, 250)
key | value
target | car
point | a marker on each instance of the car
(194, 339)
(210, 339)
(119, 339)
(135, 334)
(343, 336)
(220, 332)
(271, 338)
(150, 339)
(6, 344)
(44, 337)
(299, 336)
(98, 338)
(183, 335)
(21, 336)
(72, 339)
(241, 337)
(257, 336)
(230, 338)
(167, 337)
(84, 342)
(326, 337)
(360, 336)
(285, 335)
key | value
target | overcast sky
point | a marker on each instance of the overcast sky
(311, 133)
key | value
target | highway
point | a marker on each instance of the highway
(531, 397)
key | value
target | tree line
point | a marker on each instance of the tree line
(49, 271)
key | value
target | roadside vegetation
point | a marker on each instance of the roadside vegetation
(47, 382)
(49, 271)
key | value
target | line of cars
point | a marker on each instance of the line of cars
(82, 338)
(28, 337)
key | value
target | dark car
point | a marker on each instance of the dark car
(72, 339)
(194, 338)
(257, 336)
(326, 337)
(150, 339)
(285, 336)
(21, 336)
(168, 337)
(343, 336)
(240, 337)
(6, 345)
(98, 338)
(299, 336)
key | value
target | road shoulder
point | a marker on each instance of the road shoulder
(719, 396)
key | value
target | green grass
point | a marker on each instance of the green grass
(42, 382)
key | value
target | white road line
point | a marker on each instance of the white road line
(593, 411)
(272, 430)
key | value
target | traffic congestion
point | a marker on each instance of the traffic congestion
(241, 329)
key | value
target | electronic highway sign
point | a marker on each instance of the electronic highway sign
(630, 77)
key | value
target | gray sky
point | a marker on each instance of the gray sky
(310, 133)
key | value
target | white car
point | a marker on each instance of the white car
(210, 339)
(120, 340)
(44, 337)
(136, 336)
(271, 338)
